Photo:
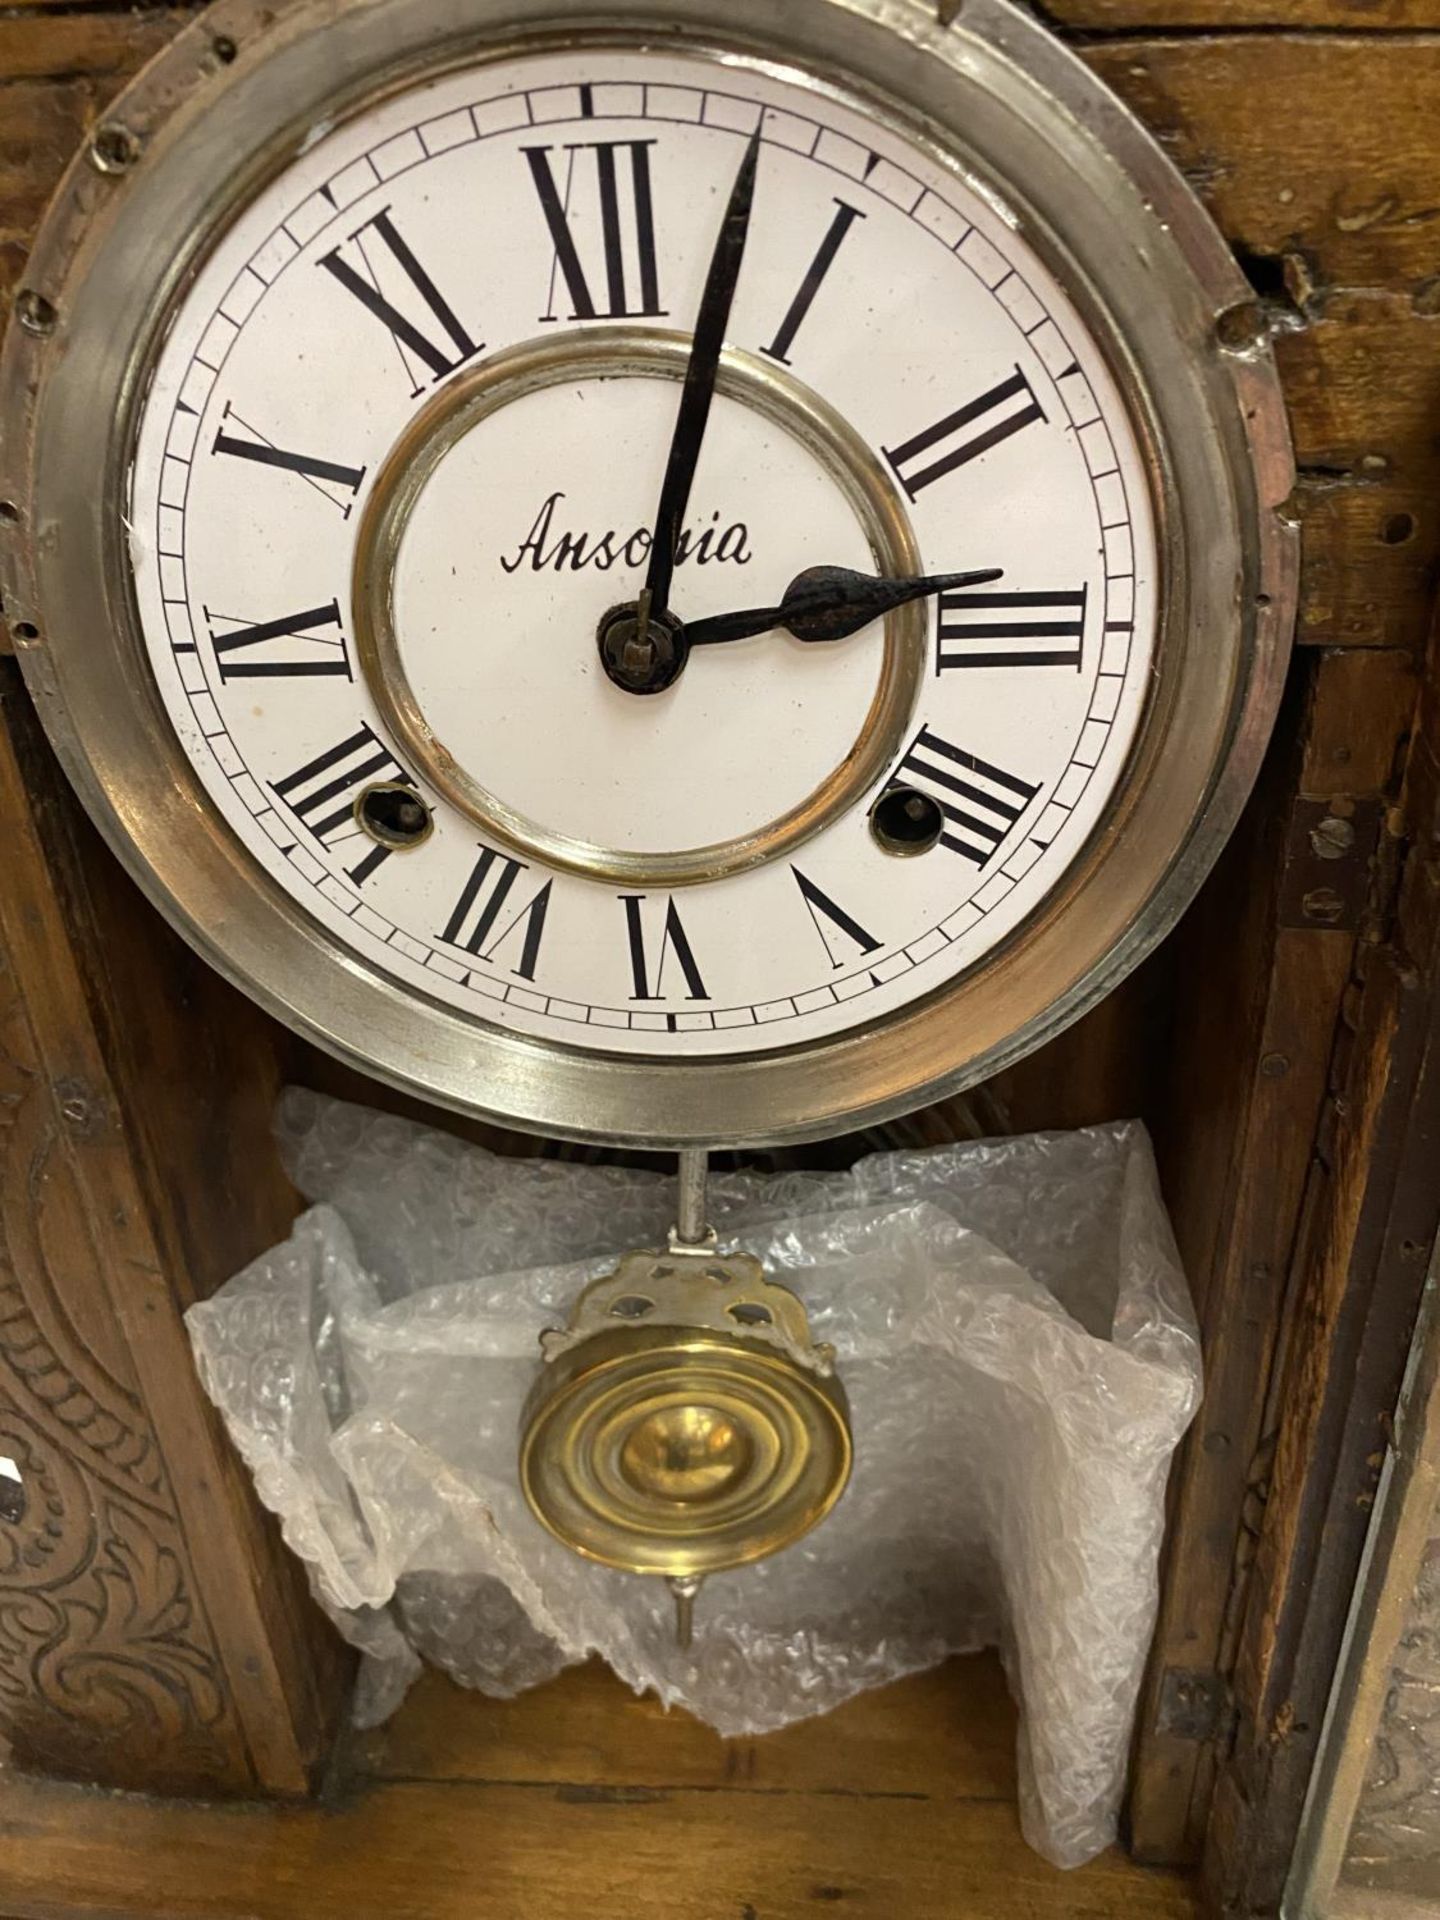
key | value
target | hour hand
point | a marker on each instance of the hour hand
(830, 603)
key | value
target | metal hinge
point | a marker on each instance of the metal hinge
(1329, 856)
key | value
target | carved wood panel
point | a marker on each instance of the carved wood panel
(107, 1665)
(136, 1644)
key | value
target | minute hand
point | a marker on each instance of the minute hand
(701, 372)
(829, 603)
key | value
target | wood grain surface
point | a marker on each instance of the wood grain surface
(1259, 992)
(1086, 17)
(1372, 1221)
(579, 1799)
(947, 1734)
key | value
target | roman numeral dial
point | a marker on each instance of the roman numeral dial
(377, 267)
(988, 629)
(322, 793)
(840, 932)
(980, 801)
(845, 217)
(236, 439)
(964, 435)
(297, 646)
(493, 917)
(599, 209)
(662, 960)
(401, 450)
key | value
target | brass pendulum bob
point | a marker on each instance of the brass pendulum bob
(683, 1421)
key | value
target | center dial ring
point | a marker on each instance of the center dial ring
(625, 352)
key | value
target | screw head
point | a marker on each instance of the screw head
(1323, 904)
(1242, 328)
(35, 313)
(113, 148)
(1333, 838)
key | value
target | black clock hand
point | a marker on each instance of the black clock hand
(829, 603)
(699, 387)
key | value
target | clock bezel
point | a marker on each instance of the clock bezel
(1151, 277)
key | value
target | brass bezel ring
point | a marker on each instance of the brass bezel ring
(628, 352)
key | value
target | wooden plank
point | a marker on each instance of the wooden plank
(949, 1733)
(143, 1565)
(1250, 1232)
(1235, 1147)
(1129, 16)
(1367, 555)
(1357, 1282)
(1342, 202)
(37, 45)
(565, 1800)
(1360, 382)
(58, 73)
(1345, 175)
(1222, 16)
(1384, 1626)
(542, 1853)
(41, 124)
(218, 1196)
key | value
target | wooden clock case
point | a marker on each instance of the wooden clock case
(1281, 1045)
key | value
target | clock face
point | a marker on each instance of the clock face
(400, 453)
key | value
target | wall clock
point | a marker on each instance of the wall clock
(679, 576)
(362, 356)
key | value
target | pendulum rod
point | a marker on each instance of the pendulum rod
(691, 1228)
(685, 1586)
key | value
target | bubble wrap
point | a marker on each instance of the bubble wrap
(1010, 1323)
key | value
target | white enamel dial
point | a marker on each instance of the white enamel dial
(541, 199)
